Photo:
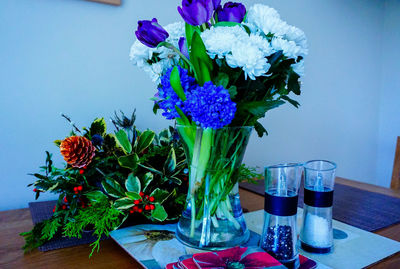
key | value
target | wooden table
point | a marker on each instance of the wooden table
(13, 222)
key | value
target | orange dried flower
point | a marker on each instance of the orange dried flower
(77, 151)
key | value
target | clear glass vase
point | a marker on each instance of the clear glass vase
(213, 217)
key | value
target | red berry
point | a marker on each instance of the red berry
(152, 207)
(81, 171)
(80, 188)
(136, 202)
(85, 167)
(83, 206)
(65, 199)
(185, 178)
(34, 190)
(131, 211)
(64, 207)
(151, 199)
(147, 207)
(141, 194)
(90, 205)
(75, 189)
(140, 210)
(54, 210)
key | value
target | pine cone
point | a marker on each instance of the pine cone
(77, 151)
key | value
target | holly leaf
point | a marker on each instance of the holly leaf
(159, 213)
(123, 203)
(123, 141)
(170, 163)
(145, 140)
(129, 161)
(113, 188)
(160, 195)
(132, 183)
(98, 126)
(133, 195)
(147, 179)
(96, 196)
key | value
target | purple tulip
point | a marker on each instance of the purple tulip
(151, 33)
(197, 12)
(216, 4)
(233, 12)
(183, 47)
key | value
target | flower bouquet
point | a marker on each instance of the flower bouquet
(218, 73)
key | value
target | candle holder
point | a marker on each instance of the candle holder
(279, 237)
(316, 235)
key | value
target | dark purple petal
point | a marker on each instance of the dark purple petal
(233, 12)
(216, 3)
(150, 33)
(183, 47)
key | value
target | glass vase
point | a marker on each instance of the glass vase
(213, 218)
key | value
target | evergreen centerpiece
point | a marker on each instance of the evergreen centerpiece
(218, 74)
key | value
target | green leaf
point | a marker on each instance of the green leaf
(147, 179)
(132, 183)
(175, 81)
(293, 82)
(145, 140)
(259, 108)
(183, 119)
(170, 163)
(96, 196)
(189, 30)
(129, 161)
(39, 176)
(123, 141)
(201, 61)
(291, 101)
(133, 195)
(227, 24)
(98, 126)
(113, 188)
(260, 129)
(123, 203)
(151, 169)
(232, 91)
(160, 195)
(57, 142)
(159, 213)
(222, 79)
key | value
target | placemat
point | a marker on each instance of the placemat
(41, 211)
(366, 210)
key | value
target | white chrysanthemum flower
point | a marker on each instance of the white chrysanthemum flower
(298, 68)
(176, 31)
(262, 44)
(266, 19)
(289, 48)
(250, 58)
(220, 40)
(295, 34)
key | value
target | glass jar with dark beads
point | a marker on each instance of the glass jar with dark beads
(279, 237)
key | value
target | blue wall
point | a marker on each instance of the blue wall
(71, 56)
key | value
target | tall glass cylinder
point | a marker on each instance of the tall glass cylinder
(213, 217)
(279, 237)
(316, 234)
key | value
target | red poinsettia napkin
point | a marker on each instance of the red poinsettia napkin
(237, 257)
